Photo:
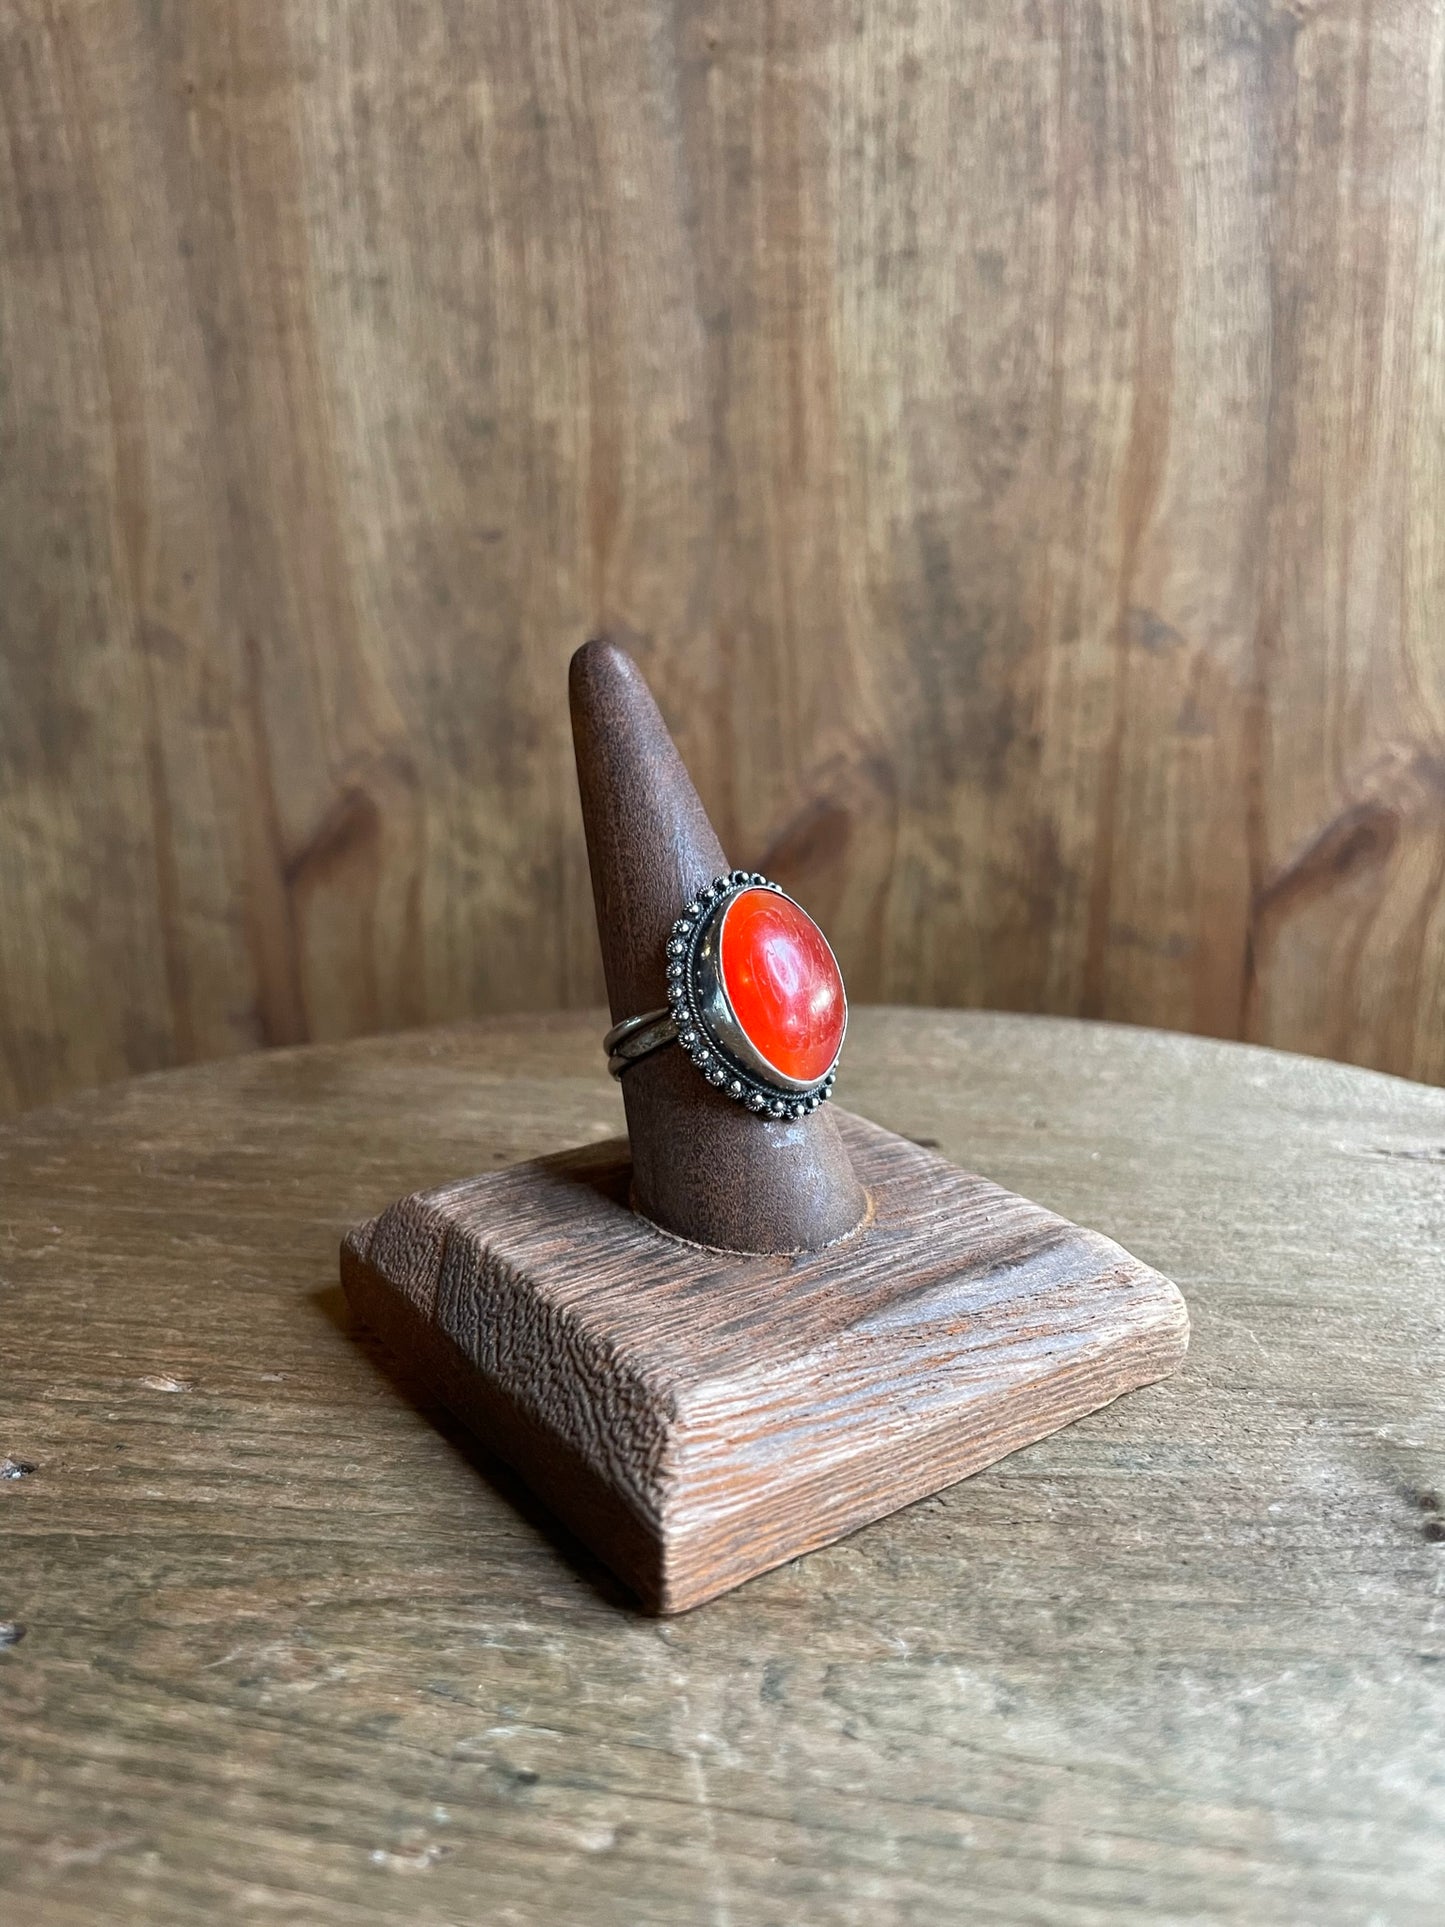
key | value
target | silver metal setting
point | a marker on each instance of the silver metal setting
(700, 1017)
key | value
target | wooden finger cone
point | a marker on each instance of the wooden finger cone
(737, 1338)
(700, 1166)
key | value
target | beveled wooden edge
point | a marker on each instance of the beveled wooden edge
(699, 1564)
(560, 1476)
(672, 1574)
(679, 1545)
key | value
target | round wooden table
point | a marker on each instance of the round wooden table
(294, 1650)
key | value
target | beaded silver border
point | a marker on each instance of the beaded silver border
(707, 1029)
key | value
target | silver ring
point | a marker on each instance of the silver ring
(637, 1037)
(779, 1054)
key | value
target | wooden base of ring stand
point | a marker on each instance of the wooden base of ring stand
(699, 1416)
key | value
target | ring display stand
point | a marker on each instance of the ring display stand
(733, 1339)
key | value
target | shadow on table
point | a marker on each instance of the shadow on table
(331, 1303)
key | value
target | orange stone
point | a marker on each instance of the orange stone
(783, 983)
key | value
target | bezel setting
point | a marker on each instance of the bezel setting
(708, 1030)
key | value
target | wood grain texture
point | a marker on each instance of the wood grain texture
(295, 1652)
(1015, 435)
(698, 1417)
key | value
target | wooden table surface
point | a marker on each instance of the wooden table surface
(294, 1651)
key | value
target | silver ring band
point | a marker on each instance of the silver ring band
(638, 1037)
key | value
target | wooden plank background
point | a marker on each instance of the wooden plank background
(1017, 435)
